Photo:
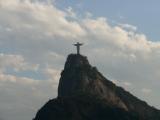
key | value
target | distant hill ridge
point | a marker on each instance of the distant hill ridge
(85, 94)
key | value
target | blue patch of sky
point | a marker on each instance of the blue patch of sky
(142, 13)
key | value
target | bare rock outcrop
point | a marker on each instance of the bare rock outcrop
(85, 94)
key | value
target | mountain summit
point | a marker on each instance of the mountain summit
(85, 94)
(79, 77)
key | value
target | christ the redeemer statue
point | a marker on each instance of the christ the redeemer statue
(78, 47)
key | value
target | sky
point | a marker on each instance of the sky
(121, 38)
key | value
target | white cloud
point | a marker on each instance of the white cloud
(128, 27)
(127, 84)
(21, 97)
(71, 12)
(52, 74)
(16, 62)
(146, 91)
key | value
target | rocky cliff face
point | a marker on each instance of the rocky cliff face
(85, 94)
(80, 77)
